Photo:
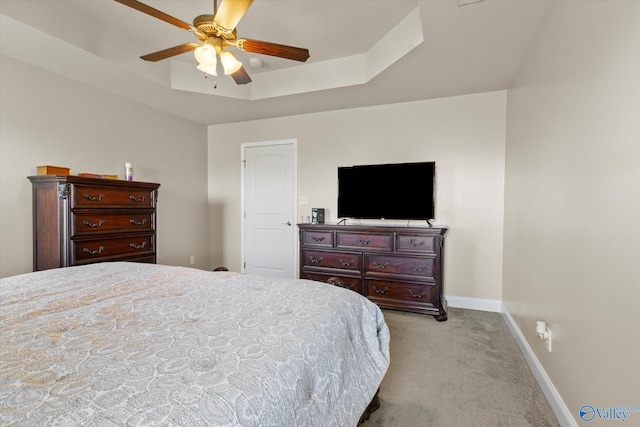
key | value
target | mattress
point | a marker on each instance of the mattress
(144, 344)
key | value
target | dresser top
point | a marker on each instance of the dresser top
(436, 229)
(73, 179)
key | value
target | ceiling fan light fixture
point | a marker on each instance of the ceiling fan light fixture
(229, 62)
(206, 57)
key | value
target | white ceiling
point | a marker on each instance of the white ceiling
(470, 49)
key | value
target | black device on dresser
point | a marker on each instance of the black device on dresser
(395, 267)
(317, 216)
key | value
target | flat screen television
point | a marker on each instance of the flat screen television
(387, 191)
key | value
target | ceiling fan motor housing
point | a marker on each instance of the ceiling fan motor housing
(206, 25)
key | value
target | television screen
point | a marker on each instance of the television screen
(389, 191)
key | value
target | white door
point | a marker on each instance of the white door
(269, 209)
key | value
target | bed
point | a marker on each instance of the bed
(144, 344)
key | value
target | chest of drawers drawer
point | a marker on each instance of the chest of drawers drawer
(110, 222)
(353, 283)
(101, 197)
(416, 243)
(389, 293)
(318, 238)
(386, 264)
(327, 259)
(366, 241)
(102, 249)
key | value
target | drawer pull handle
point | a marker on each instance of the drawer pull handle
(135, 199)
(381, 266)
(413, 294)
(134, 222)
(317, 239)
(315, 260)
(134, 246)
(93, 198)
(334, 281)
(94, 252)
(416, 244)
(347, 263)
(93, 224)
(337, 282)
(364, 242)
(380, 291)
(418, 269)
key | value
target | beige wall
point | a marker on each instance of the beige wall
(50, 120)
(463, 135)
(572, 204)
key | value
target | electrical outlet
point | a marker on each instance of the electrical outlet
(548, 339)
(192, 259)
(544, 333)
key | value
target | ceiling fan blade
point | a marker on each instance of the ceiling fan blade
(231, 12)
(168, 53)
(241, 77)
(156, 14)
(273, 49)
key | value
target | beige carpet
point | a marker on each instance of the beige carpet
(467, 371)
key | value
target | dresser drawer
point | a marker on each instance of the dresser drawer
(326, 259)
(387, 290)
(319, 238)
(109, 222)
(365, 240)
(416, 243)
(423, 267)
(347, 282)
(102, 197)
(85, 251)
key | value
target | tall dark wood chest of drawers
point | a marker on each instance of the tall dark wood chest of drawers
(80, 220)
(395, 267)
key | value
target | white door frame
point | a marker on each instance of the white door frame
(294, 142)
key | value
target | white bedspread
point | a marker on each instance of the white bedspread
(142, 344)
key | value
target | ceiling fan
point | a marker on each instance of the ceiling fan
(215, 33)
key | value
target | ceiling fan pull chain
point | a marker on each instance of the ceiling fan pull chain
(215, 84)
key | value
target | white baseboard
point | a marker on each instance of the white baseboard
(492, 305)
(553, 397)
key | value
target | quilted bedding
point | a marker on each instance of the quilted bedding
(142, 344)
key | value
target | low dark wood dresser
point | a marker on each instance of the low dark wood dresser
(395, 267)
(80, 220)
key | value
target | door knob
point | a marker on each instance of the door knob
(287, 223)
